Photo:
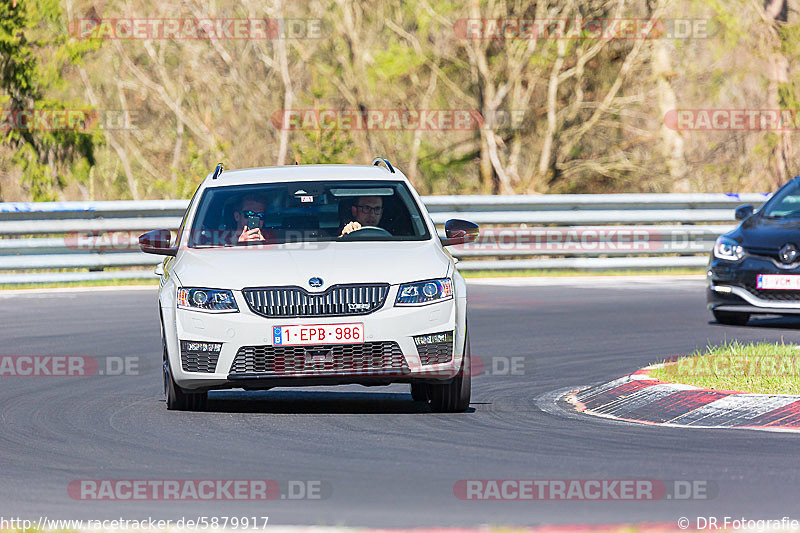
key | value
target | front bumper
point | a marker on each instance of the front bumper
(247, 333)
(731, 286)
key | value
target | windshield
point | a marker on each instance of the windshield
(309, 211)
(785, 203)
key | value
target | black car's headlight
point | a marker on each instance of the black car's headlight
(425, 292)
(207, 300)
(728, 249)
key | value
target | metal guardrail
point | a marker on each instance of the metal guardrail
(579, 231)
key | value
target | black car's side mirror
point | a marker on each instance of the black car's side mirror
(459, 232)
(743, 211)
(157, 242)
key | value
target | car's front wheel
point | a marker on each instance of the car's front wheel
(454, 396)
(180, 400)
(177, 398)
(730, 318)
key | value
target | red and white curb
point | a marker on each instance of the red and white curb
(641, 398)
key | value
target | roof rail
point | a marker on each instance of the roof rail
(217, 171)
(378, 160)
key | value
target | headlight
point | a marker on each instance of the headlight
(425, 292)
(727, 248)
(208, 300)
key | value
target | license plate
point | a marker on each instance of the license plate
(317, 334)
(778, 282)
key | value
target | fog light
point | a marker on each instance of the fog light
(446, 336)
(723, 289)
(201, 347)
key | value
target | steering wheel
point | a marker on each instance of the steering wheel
(367, 231)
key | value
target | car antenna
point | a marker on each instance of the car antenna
(217, 171)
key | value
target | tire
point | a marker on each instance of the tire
(419, 391)
(177, 398)
(730, 318)
(454, 396)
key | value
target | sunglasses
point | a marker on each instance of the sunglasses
(367, 209)
(250, 213)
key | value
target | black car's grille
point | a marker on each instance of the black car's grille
(769, 254)
(369, 358)
(435, 353)
(773, 295)
(763, 252)
(339, 300)
(198, 361)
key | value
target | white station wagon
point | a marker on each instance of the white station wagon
(306, 275)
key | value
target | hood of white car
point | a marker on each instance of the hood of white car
(294, 264)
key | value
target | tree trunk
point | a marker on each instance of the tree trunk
(778, 74)
(671, 139)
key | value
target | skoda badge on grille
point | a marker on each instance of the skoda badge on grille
(315, 283)
(788, 253)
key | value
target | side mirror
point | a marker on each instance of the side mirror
(157, 242)
(743, 211)
(459, 232)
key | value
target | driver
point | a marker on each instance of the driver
(251, 207)
(366, 211)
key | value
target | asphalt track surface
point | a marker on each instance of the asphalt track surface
(387, 461)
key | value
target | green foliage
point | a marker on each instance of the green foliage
(396, 61)
(35, 51)
(37, 177)
(189, 175)
(789, 92)
(324, 146)
(440, 171)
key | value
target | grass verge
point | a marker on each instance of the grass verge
(68, 284)
(576, 273)
(755, 367)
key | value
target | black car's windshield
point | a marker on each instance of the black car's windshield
(785, 203)
(309, 211)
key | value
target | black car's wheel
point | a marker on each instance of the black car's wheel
(177, 398)
(454, 396)
(419, 391)
(730, 318)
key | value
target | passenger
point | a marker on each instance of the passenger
(251, 208)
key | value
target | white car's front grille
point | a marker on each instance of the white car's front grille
(370, 358)
(339, 300)
(436, 353)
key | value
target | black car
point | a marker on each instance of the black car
(755, 269)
